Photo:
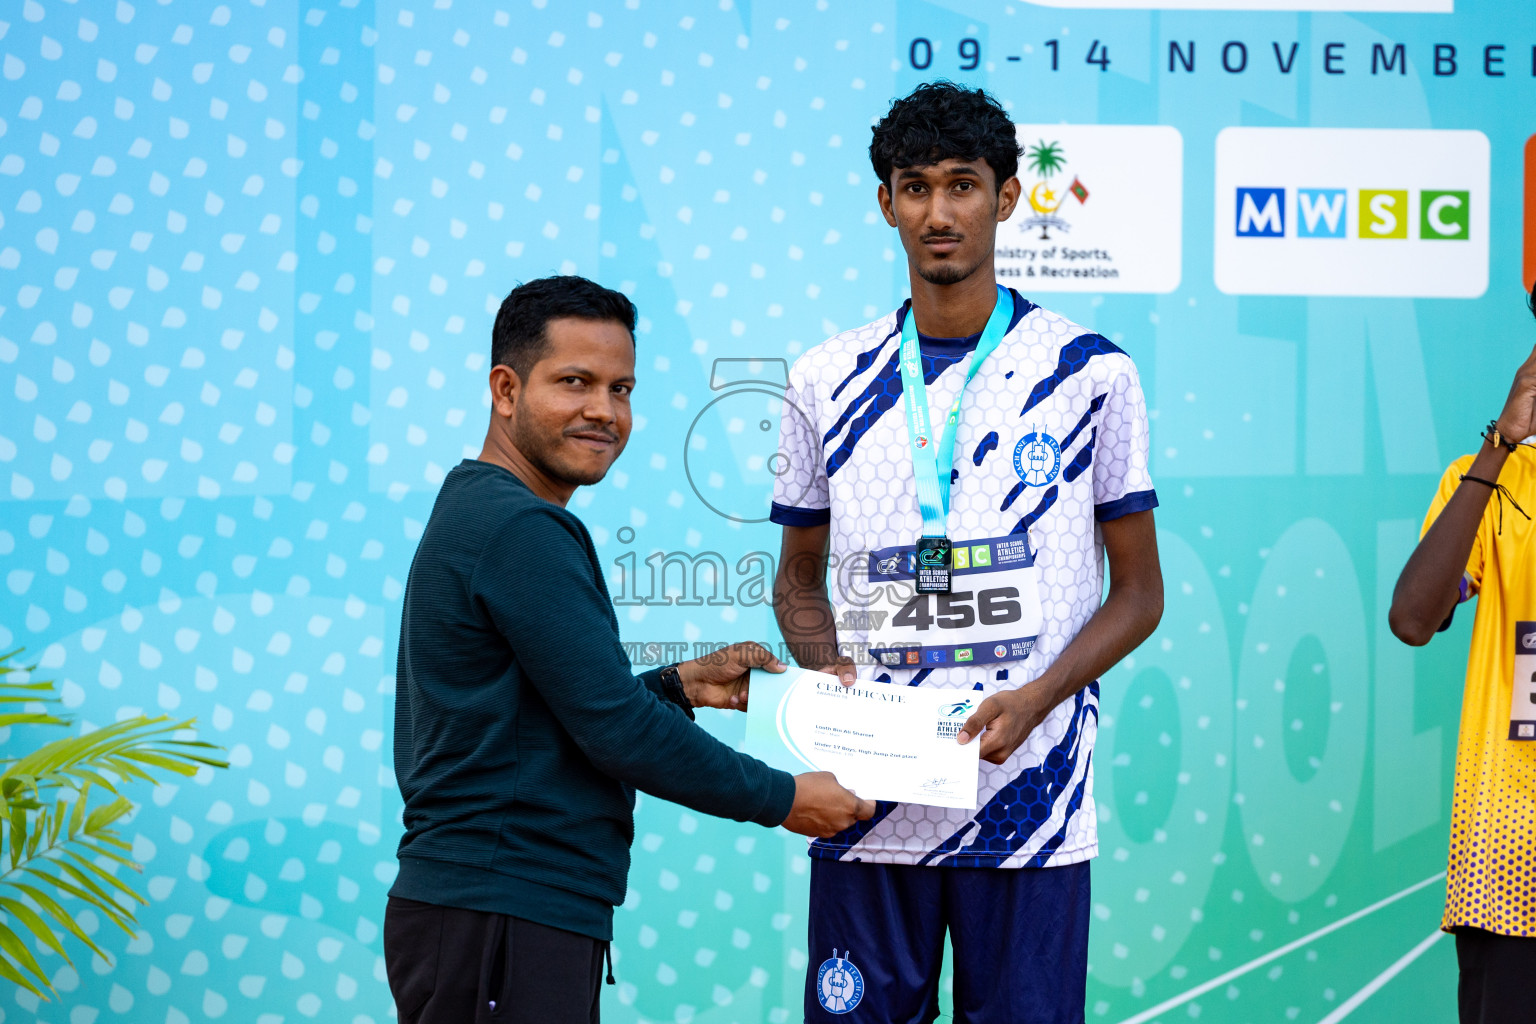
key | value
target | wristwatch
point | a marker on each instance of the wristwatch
(672, 686)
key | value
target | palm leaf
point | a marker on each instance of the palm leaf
(106, 815)
(103, 903)
(58, 842)
(34, 924)
(1046, 157)
(121, 748)
(17, 952)
(9, 972)
(51, 907)
(25, 693)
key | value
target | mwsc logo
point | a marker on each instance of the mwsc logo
(1325, 211)
(1381, 213)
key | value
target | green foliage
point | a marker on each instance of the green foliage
(58, 808)
(1045, 158)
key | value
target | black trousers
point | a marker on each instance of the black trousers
(452, 966)
(1497, 972)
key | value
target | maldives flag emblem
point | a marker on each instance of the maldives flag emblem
(1078, 189)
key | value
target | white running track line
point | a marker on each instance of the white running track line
(1348, 1006)
(1275, 954)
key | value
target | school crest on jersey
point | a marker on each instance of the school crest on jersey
(1037, 458)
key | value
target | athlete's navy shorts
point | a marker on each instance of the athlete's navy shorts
(877, 943)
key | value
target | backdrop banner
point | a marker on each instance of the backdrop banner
(250, 254)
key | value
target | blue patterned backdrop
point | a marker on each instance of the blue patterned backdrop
(249, 258)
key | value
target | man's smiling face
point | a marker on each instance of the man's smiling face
(572, 417)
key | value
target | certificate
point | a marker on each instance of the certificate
(883, 741)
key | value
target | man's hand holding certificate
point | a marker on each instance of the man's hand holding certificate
(882, 741)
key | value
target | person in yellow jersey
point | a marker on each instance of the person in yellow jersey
(1479, 541)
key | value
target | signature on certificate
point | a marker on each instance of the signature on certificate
(935, 785)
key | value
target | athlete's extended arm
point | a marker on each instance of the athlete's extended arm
(1127, 617)
(1430, 583)
(801, 605)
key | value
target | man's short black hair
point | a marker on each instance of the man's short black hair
(939, 121)
(519, 337)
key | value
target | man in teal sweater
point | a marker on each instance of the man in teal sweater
(521, 733)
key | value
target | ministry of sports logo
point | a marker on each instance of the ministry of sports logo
(1090, 220)
(1037, 458)
(839, 985)
(1047, 160)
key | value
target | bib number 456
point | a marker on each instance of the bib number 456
(955, 611)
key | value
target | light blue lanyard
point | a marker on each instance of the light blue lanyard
(932, 462)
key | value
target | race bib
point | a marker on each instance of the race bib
(991, 614)
(1522, 708)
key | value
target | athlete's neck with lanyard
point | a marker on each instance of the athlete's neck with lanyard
(955, 310)
(933, 457)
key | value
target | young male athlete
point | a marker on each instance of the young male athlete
(1475, 546)
(962, 466)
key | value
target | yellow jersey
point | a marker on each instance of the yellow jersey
(1491, 878)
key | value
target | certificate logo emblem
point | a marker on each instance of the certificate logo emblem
(889, 566)
(912, 657)
(1037, 458)
(839, 985)
(936, 656)
(1001, 650)
(953, 716)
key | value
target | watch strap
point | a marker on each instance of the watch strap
(672, 686)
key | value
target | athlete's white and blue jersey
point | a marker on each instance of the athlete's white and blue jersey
(1052, 440)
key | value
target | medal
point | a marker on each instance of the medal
(934, 562)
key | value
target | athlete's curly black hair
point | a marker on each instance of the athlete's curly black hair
(942, 120)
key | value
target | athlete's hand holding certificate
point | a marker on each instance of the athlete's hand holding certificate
(882, 741)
